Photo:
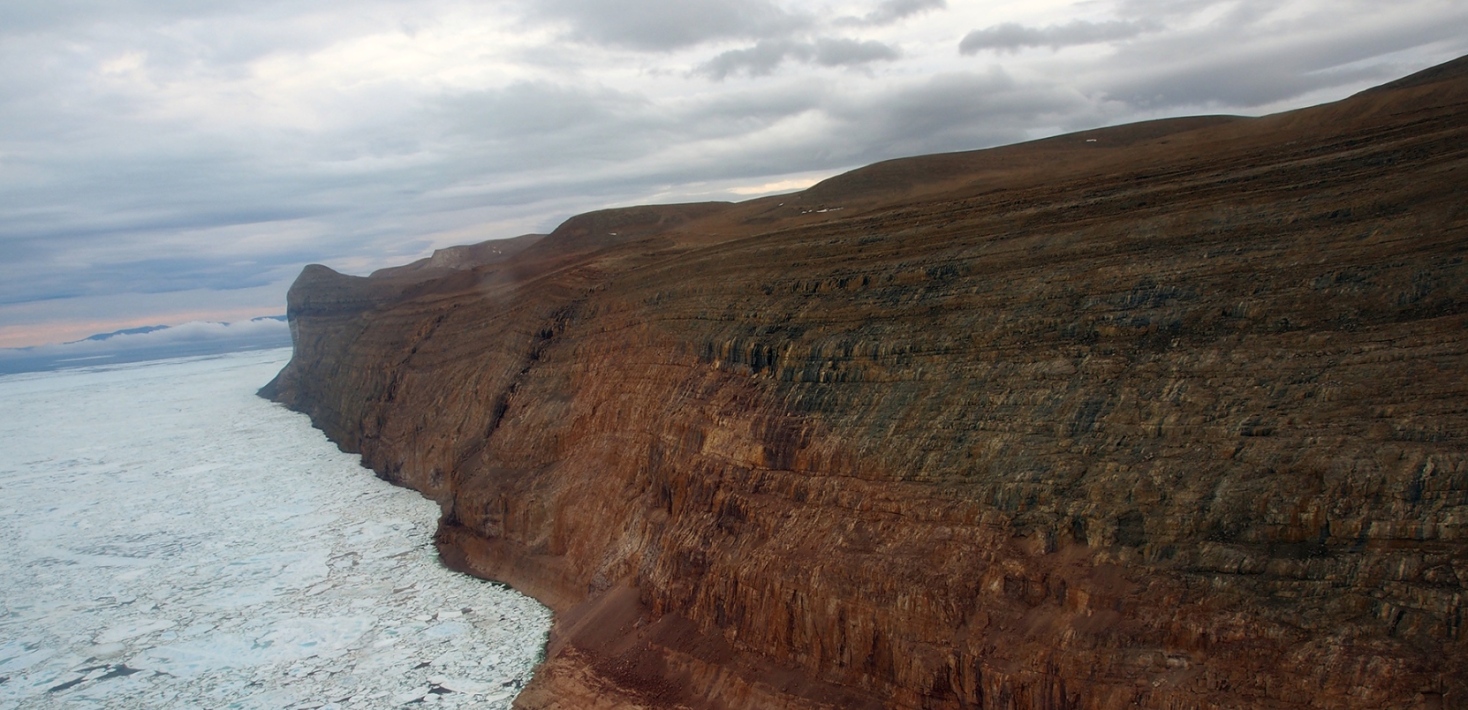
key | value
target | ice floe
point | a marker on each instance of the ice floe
(173, 541)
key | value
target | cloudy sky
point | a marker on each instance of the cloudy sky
(164, 161)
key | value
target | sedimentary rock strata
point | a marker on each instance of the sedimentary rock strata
(1171, 415)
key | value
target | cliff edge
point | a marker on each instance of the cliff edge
(1171, 415)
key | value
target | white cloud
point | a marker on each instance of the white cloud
(197, 331)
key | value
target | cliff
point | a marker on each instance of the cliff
(1171, 415)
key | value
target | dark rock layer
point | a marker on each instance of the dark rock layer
(1172, 415)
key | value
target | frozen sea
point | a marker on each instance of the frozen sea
(170, 540)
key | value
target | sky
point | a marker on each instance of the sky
(169, 161)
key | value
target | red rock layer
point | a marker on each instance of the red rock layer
(1170, 415)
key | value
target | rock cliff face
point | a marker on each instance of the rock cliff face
(1172, 415)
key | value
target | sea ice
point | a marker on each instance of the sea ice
(174, 541)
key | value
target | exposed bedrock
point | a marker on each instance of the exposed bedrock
(1170, 416)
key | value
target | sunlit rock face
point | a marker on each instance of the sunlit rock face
(1170, 415)
(173, 541)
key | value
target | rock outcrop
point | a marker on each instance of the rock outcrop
(1172, 415)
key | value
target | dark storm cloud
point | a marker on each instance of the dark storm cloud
(892, 11)
(659, 25)
(1012, 37)
(763, 58)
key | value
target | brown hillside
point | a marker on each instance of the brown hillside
(1171, 415)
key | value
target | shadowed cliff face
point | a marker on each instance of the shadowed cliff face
(1170, 415)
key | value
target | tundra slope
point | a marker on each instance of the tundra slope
(1168, 415)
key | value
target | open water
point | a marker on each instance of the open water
(170, 540)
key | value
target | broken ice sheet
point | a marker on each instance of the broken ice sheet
(175, 541)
